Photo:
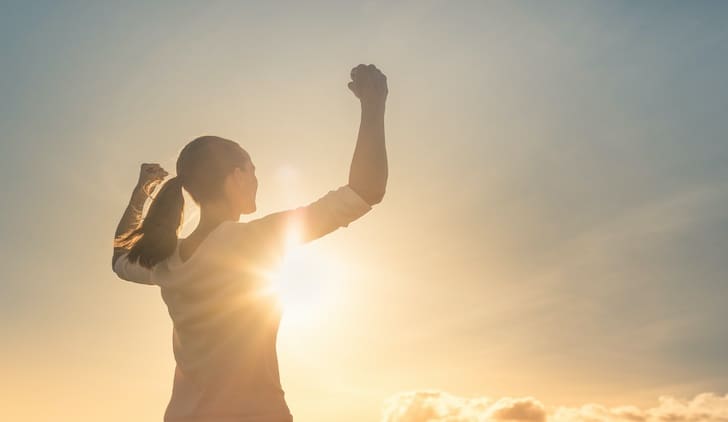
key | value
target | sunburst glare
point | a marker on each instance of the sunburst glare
(307, 283)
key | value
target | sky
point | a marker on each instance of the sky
(551, 245)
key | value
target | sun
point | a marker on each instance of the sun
(308, 284)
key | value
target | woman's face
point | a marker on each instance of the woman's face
(241, 188)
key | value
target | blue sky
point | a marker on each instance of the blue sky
(555, 223)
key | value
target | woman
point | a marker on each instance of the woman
(214, 281)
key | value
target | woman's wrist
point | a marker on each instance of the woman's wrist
(372, 113)
(373, 107)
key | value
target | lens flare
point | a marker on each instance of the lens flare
(307, 283)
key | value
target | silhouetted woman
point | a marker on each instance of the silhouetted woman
(213, 282)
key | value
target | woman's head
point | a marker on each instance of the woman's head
(217, 173)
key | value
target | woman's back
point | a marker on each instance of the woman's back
(225, 327)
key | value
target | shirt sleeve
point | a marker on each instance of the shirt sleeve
(132, 271)
(274, 232)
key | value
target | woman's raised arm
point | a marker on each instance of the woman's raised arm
(150, 175)
(369, 170)
(271, 234)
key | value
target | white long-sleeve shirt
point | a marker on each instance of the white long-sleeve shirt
(226, 317)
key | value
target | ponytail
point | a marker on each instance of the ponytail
(156, 238)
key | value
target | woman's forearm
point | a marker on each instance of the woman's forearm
(133, 213)
(150, 176)
(369, 168)
(130, 220)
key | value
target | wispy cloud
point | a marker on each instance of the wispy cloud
(439, 406)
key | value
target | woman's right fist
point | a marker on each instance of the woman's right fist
(369, 84)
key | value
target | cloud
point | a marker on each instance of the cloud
(439, 406)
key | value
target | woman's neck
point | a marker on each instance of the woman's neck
(211, 217)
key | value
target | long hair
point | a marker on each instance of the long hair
(202, 167)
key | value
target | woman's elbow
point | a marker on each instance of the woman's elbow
(375, 197)
(115, 261)
(115, 269)
(371, 195)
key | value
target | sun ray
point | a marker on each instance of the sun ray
(307, 283)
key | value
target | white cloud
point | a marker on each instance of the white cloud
(439, 406)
